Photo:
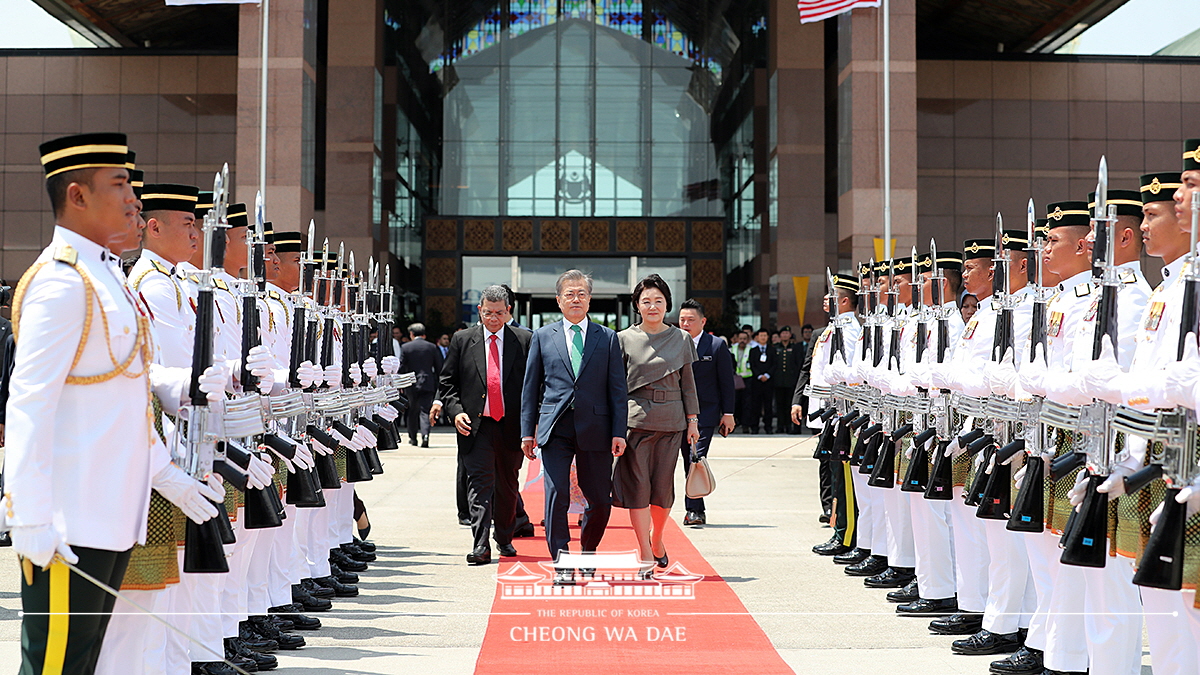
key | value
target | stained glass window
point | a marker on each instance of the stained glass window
(622, 15)
(527, 15)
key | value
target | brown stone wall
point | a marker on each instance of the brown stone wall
(179, 113)
(994, 133)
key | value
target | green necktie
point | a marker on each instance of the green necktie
(576, 349)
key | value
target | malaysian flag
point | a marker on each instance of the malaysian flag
(819, 10)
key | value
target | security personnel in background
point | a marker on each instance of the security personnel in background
(762, 391)
(81, 493)
(785, 371)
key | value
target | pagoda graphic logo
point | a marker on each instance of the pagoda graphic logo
(596, 576)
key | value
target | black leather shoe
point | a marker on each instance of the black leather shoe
(832, 547)
(1024, 661)
(869, 567)
(525, 532)
(987, 642)
(694, 518)
(339, 589)
(482, 555)
(339, 558)
(465, 522)
(234, 647)
(506, 550)
(959, 623)
(281, 623)
(265, 627)
(927, 607)
(6, 540)
(564, 577)
(216, 668)
(251, 640)
(412, 440)
(368, 546)
(342, 575)
(909, 593)
(892, 577)
(292, 613)
(308, 601)
(851, 557)
(317, 590)
(425, 442)
(824, 517)
(357, 553)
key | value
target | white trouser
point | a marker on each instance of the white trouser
(258, 574)
(1113, 617)
(1172, 644)
(934, 548)
(279, 573)
(317, 557)
(867, 514)
(970, 555)
(128, 648)
(298, 565)
(345, 517)
(179, 607)
(899, 528)
(1193, 618)
(1066, 646)
(200, 594)
(234, 589)
(1008, 576)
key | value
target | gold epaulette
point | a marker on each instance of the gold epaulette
(67, 254)
(220, 283)
(1127, 277)
(1083, 290)
(159, 267)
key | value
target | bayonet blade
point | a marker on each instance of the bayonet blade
(312, 233)
(1102, 189)
(1031, 221)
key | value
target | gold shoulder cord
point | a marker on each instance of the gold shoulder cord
(137, 283)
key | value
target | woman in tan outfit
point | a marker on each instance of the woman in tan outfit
(662, 407)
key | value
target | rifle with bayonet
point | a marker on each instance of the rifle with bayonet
(941, 478)
(1085, 541)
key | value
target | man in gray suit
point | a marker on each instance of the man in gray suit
(423, 358)
(574, 407)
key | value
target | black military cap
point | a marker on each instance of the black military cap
(204, 203)
(976, 248)
(1062, 214)
(169, 197)
(1160, 187)
(237, 216)
(137, 178)
(1129, 203)
(1014, 240)
(85, 151)
(952, 260)
(288, 242)
(846, 282)
(1191, 154)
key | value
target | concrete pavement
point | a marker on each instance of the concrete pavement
(422, 609)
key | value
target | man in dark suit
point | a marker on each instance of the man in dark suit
(574, 407)
(784, 372)
(762, 390)
(480, 389)
(423, 358)
(713, 372)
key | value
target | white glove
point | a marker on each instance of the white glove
(1182, 376)
(308, 374)
(920, 372)
(857, 372)
(319, 448)
(1102, 377)
(1001, 376)
(954, 449)
(1032, 375)
(356, 375)
(940, 376)
(387, 412)
(39, 543)
(370, 369)
(287, 463)
(390, 364)
(303, 457)
(260, 473)
(333, 375)
(1190, 496)
(215, 381)
(901, 385)
(1114, 485)
(1079, 490)
(349, 443)
(1019, 476)
(259, 361)
(364, 438)
(190, 495)
(1066, 387)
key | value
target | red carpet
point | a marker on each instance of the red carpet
(700, 627)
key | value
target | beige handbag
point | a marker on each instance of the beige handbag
(700, 479)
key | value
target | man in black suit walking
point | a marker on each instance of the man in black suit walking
(762, 390)
(423, 358)
(714, 384)
(480, 389)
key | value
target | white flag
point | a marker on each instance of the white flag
(818, 10)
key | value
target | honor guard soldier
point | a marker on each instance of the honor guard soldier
(80, 463)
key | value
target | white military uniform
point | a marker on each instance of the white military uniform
(899, 541)
(154, 279)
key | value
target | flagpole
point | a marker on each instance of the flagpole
(262, 113)
(887, 131)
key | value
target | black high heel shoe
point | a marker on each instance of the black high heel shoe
(663, 561)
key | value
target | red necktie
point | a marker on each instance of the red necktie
(495, 395)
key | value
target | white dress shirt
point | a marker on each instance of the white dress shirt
(487, 351)
(570, 334)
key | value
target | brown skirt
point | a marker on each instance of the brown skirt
(645, 474)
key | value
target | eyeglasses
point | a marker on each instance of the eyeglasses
(493, 315)
(572, 295)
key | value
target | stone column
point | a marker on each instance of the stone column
(354, 125)
(797, 163)
(860, 128)
(288, 199)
